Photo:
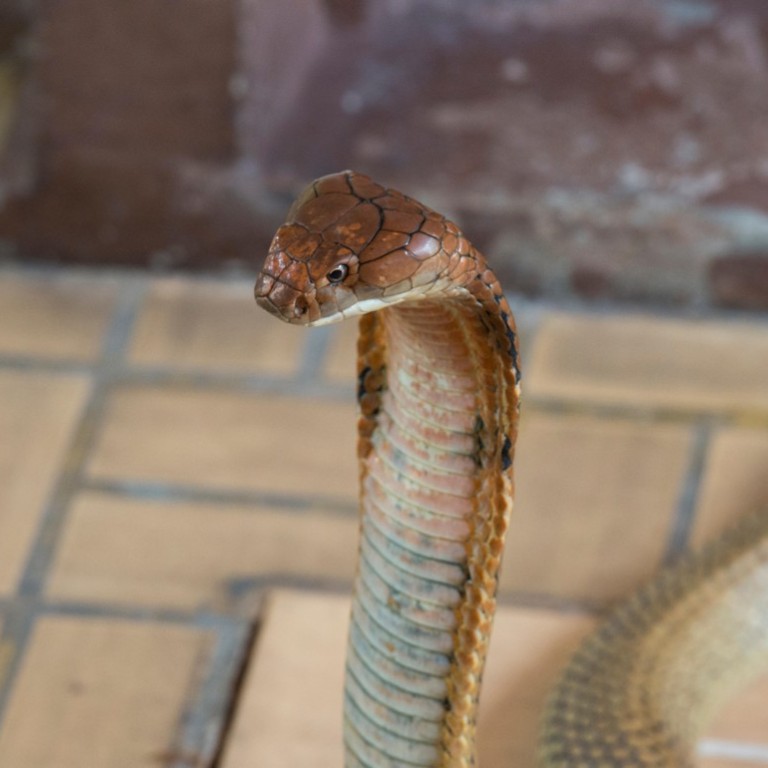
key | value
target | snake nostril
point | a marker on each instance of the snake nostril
(300, 306)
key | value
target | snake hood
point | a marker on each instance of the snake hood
(351, 246)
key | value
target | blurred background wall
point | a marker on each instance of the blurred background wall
(603, 148)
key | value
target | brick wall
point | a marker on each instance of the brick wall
(610, 148)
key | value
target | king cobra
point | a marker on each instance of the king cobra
(438, 385)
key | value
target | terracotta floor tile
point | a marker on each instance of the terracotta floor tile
(95, 692)
(642, 360)
(212, 324)
(299, 660)
(217, 439)
(62, 316)
(595, 499)
(742, 721)
(289, 712)
(528, 650)
(38, 414)
(192, 556)
(735, 481)
(745, 717)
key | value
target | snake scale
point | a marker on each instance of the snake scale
(438, 393)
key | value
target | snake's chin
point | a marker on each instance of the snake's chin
(360, 307)
(336, 317)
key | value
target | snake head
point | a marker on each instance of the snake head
(350, 246)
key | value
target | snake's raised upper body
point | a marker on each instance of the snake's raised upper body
(438, 389)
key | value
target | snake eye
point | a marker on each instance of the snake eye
(338, 273)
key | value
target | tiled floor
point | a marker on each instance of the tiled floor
(169, 455)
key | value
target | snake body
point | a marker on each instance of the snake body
(640, 690)
(438, 392)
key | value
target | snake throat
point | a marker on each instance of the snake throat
(433, 449)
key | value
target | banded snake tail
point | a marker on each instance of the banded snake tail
(438, 394)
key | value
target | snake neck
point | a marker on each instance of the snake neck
(438, 400)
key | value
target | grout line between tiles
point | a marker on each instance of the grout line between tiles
(294, 386)
(309, 382)
(253, 587)
(167, 492)
(19, 618)
(204, 721)
(685, 512)
(641, 412)
(116, 339)
(167, 376)
(262, 583)
(45, 365)
(137, 614)
(89, 609)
